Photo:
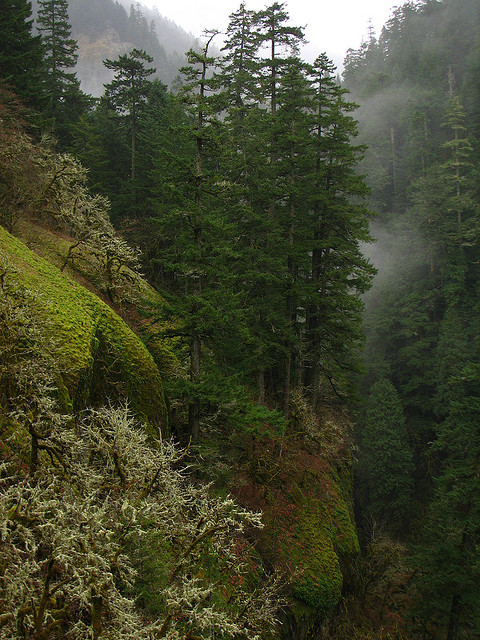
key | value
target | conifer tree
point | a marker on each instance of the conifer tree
(65, 99)
(387, 456)
(127, 93)
(294, 157)
(339, 272)
(21, 53)
(253, 102)
(102, 146)
(249, 173)
(195, 93)
(459, 149)
(279, 39)
(194, 229)
(238, 79)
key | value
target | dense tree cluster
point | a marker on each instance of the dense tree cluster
(252, 213)
(243, 186)
(418, 88)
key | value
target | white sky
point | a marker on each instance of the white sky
(331, 25)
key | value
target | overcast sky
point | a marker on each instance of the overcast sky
(331, 25)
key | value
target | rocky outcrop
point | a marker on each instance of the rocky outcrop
(99, 358)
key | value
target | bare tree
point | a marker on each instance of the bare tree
(72, 517)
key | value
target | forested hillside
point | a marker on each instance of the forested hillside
(418, 86)
(200, 364)
(106, 29)
(175, 453)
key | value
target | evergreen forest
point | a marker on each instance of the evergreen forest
(239, 302)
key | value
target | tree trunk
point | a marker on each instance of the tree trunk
(261, 386)
(287, 385)
(133, 153)
(194, 405)
(394, 162)
(454, 619)
(291, 306)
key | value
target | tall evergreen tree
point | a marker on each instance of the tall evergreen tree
(293, 157)
(196, 95)
(280, 39)
(339, 272)
(239, 69)
(193, 222)
(65, 100)
(127, 93)
(103, 145)
(387, 457)
(21, 53)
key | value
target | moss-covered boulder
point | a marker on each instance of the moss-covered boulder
(99, 358)
(305, 493)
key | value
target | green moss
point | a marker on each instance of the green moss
(344, 534)
(310, 528)
(326, 532)
(99, 358)
(319, 579)
(165, 357)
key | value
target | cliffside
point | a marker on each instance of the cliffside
(301, 481)
(67, 354)
(99, 358)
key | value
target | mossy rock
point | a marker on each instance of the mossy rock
(98, 356)
(325, 533)
(318, 582)
(309, 525)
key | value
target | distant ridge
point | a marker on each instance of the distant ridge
(171, 36)
(107, 29)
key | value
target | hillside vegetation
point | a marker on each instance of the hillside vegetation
(107, 527)
(182, 423)
(418, 87)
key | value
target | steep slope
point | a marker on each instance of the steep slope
(418, 87)
(99, 358)
(300, 480)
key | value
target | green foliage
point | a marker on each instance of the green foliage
(98, 355)
(387, 457)
(65, 101)
(417, 86)
(243, 191)
(126, 93)
(223, 209)
(60, 48)
(101, 144)
(449, 569)
(21, 55)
